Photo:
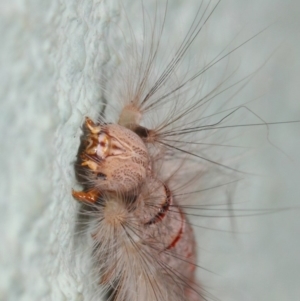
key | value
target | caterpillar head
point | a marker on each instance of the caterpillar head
(115, 157)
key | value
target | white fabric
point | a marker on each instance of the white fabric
(52, 54)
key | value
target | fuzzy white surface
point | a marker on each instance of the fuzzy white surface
(52, 54)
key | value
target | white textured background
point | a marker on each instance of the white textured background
(51, 55)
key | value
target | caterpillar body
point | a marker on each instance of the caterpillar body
(143, 165)
(138, 217)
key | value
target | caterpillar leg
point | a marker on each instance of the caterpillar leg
(90, 196)
(91, 126)
(89, 163)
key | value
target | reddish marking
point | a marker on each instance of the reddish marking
(193, 267)
(162, 210)
(178, 236)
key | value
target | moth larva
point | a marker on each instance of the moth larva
(142, 170)
(135, 218)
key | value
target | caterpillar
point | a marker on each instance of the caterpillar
(146, 161)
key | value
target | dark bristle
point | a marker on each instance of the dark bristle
(141, 131)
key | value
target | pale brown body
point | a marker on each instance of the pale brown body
(155, 248)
